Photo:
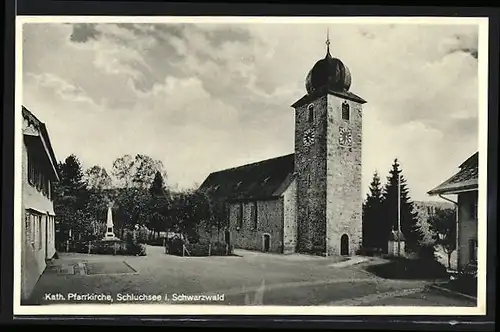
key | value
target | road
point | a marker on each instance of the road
(251, 279)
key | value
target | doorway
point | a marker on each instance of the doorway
(266, 242)
(227, 237)
(344, 245)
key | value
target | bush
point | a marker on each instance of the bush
(198, 249)
(142, 235)
(403, 268)
(133, 246)
(138, 249)
(79, 246)
(370, 252)
(219, 249)
(426, 252)
(175, 245)
(108, 247)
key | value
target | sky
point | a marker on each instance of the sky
(206, 97)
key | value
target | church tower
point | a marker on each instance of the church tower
(328, 133)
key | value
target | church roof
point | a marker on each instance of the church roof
(465, 179)
(329, 72)
(328, 76)
(261, 180)
(322, 91)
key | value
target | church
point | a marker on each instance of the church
(310, 201)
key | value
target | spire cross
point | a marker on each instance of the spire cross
(328, 40)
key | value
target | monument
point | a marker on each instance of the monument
(110, 235)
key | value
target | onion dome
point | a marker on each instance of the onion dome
(329, 73)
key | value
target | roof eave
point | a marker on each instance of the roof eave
(50, 150)
(346, 95)
(284, 185)
(452, 191)
(252, 199)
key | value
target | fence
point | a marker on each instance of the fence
(105, 247)
(198, 249)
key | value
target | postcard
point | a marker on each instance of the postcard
(250, 165)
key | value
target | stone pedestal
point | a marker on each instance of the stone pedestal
(110, 235)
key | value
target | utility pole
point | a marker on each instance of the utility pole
(399, 214)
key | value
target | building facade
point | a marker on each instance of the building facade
(309, 201)
(39, 172)
(260, 204)
(464, 186)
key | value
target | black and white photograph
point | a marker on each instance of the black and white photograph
(239, 165)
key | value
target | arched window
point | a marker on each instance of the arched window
(345, 111)
(310, 110)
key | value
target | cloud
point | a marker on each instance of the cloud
(210, 96)
(60, 87)
(117, 50)
(82, 32)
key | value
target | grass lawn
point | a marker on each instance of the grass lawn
(403, 268)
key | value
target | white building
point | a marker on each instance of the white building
(39, 171)
(464, 184)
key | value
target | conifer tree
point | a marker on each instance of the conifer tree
(409, 221)
(70, 199)
(158, 186)
(158, 204)
(372, 215)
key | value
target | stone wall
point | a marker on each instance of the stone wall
(328, 177)
(310, 168)
(269, 221)
(290, 219)
(343, 177)
(467, 226)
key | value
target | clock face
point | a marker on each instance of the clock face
(308, 137)
(345, 136)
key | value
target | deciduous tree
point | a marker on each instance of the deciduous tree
(443, 224)
(138, 171)
(97, 178)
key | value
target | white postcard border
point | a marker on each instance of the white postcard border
(146, 309)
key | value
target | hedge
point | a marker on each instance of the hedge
(114, 247)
